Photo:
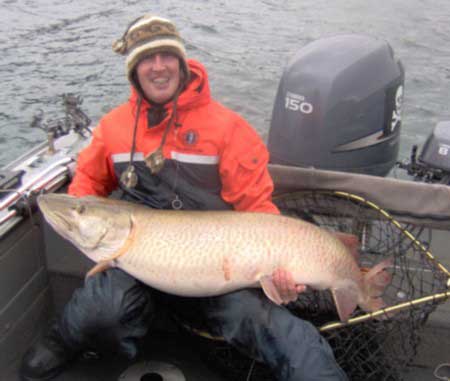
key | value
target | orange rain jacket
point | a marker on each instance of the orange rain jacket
(214, 158)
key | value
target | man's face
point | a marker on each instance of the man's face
(159, 76)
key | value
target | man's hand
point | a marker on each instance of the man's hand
(286, 286)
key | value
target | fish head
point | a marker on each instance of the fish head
(95, 225)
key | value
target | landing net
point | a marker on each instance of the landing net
(376, 346)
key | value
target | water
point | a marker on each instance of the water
(51, 47)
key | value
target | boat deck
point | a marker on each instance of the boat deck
(179, 351)
(182, 351)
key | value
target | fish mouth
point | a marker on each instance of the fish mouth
(54, 201)
(48, 204)
(44, 201)
(59, 223)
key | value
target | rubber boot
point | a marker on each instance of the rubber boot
(47, 358)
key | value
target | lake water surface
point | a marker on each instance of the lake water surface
(51, 47)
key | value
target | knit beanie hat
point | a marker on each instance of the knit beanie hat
(147, 35)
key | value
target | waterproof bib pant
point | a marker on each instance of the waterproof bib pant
(112, 311)
(121, 308)
(246, 319)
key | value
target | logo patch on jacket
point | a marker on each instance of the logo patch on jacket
(190, 137)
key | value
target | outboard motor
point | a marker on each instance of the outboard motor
(338, 107)
(433, 163)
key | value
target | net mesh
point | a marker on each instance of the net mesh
(369, 348)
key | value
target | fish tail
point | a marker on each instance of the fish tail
(375, 282)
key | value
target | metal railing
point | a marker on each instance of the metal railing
(52, 176)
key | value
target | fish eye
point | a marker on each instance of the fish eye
(79, 208)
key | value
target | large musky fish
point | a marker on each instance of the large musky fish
(198, 253)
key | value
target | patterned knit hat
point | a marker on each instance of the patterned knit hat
(147, 35)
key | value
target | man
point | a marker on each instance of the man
(171, 146)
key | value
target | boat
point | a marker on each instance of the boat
(353, 98)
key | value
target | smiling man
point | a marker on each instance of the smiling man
(159, 76)
(171, 146)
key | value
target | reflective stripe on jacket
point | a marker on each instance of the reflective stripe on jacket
(214, 158)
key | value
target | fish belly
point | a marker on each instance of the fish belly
(199, 254)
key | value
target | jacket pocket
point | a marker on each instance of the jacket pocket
(253, 158)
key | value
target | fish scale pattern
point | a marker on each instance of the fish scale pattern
(198, 253)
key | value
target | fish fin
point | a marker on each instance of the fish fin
(375, 282)
(377, 278)
(99, 267)
(270, 290)
(345, 300)
(109, 262)
(376, 304)
(351, 242)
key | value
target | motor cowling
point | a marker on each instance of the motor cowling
(436, 150)
(338, 107)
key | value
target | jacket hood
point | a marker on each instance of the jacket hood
(196, 93)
